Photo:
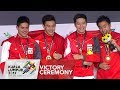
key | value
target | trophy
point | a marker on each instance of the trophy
(106, 39)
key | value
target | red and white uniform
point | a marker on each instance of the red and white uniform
(57, 46)
(71, 47)
(12, 48)
(114, 71)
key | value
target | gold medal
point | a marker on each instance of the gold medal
(48, 57)
(108, 58)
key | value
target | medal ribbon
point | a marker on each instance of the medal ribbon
(107, 50)
(46, 44)
(80, 46)
(24, 50)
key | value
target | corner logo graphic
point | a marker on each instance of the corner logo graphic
(7, 35)
(29, 66)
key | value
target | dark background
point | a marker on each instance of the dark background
(10, 17)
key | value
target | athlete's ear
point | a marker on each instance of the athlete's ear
(43, 26)
(17, 27)
(110, 25)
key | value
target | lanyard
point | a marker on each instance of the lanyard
(23, 48)
(78, 41)
(46, 43)
(107, 50)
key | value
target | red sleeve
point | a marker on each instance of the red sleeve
(96, 64)
(118, 42)
(60, 46)
(67, 46)
(2, 66)
(95, 57)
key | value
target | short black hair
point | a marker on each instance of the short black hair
(23, 19)
(79, 16)
(48, 18)
(103, 18)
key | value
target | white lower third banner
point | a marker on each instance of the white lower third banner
(21, 69)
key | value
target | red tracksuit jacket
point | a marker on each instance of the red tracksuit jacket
(114, 71)
(71, 47)
(12, 49)
(58, 44)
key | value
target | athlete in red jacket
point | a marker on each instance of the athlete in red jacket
(20, 46)
(51, 43)
(109, 67)
(82, 46)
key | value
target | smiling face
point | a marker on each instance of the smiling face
(104, 27)
(49, 27)
(81, 25)
(23, 29)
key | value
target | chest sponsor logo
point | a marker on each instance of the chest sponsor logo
(30, 50)
(89, 49)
